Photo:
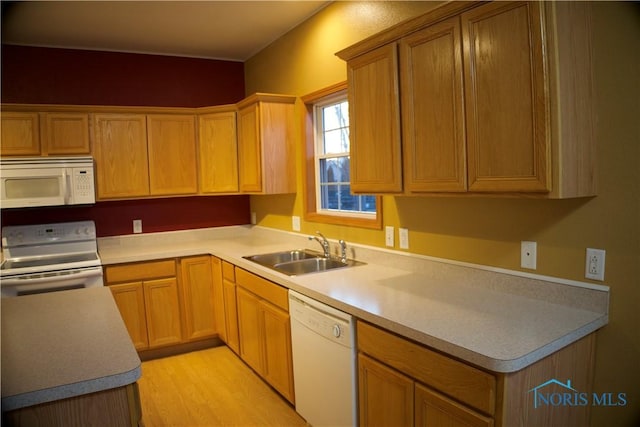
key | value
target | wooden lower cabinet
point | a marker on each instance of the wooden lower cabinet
(403, 383)
(168, 302)
(230, 306)
(129, 298)
(197, 291)
(162, 308)
(264, 329)
(385, 395)
(114, 407)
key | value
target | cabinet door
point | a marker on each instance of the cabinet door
(66, 133)
(277, 343)
(129, 298)
(433, 109)
(172, 154)
(218, 153)
(231, 315)
(506, 103)
(374, 111)
(120, 152)
(163, 312)
(434, 409)
(249, 149)
(218, 298)
(198, 297)
(250, 329)
(385, 396)
(20, 134)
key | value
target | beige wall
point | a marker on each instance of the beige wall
(485, 230)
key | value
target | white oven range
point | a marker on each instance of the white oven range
(49, 257)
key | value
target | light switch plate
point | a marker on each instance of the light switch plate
(403, 235)
(388, 236)
(295, 223)
(137, 226)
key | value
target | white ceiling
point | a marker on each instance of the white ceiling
(229, 30)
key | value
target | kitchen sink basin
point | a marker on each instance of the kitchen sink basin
(271, 259)
(300, 261)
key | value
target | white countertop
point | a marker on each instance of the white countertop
(497, 321)
(63, 344)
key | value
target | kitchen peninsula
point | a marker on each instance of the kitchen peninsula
(67, 356)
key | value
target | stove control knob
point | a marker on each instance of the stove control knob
(337, 331)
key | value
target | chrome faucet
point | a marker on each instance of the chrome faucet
(343, 250)
(323, 242)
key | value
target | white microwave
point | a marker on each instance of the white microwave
(46, 181)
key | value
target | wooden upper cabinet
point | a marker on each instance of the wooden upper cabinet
(20, 134)
(506, 104)
(66, 133)
(172, 154)
(120, 151)
(218, 152)
(434, 147)
(496, 97)
(266, 150)
(374, 116)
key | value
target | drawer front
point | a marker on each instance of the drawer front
(465, 383)
(273, 293)
(228, 271)
(140, 271)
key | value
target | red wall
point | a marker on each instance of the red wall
(116, 218)
(34, 75)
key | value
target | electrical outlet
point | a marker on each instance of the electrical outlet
(403, 234)
(137, 226)
(295, 223)
(388, 236)
(528, 255)
(594, 268)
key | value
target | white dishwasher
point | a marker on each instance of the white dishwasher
(324, 362)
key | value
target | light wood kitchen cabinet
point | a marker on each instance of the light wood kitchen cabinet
(172, 154)
(265, 330)
(497, 98)
(120, 152)
(406, 383)
(65, 134)
(506, 107)
(385, 395)
(20, 133)
(218, 152)
(433, 109)
(129, 298)
(266, 151)
(374, 116)
(197, 289)
(161, 306)
(218, 298)
(230, 306)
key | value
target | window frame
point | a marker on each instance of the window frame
(310, 189)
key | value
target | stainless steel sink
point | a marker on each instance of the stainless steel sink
(271, 259)
(297, 262)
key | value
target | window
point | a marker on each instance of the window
(328, 194)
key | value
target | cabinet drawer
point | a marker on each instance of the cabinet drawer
(140, 271)
(228, 271)
(465, 383)
(273, 293)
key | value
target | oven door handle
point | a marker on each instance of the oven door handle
(13, 281)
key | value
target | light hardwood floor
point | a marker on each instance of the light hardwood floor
(211, 387)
